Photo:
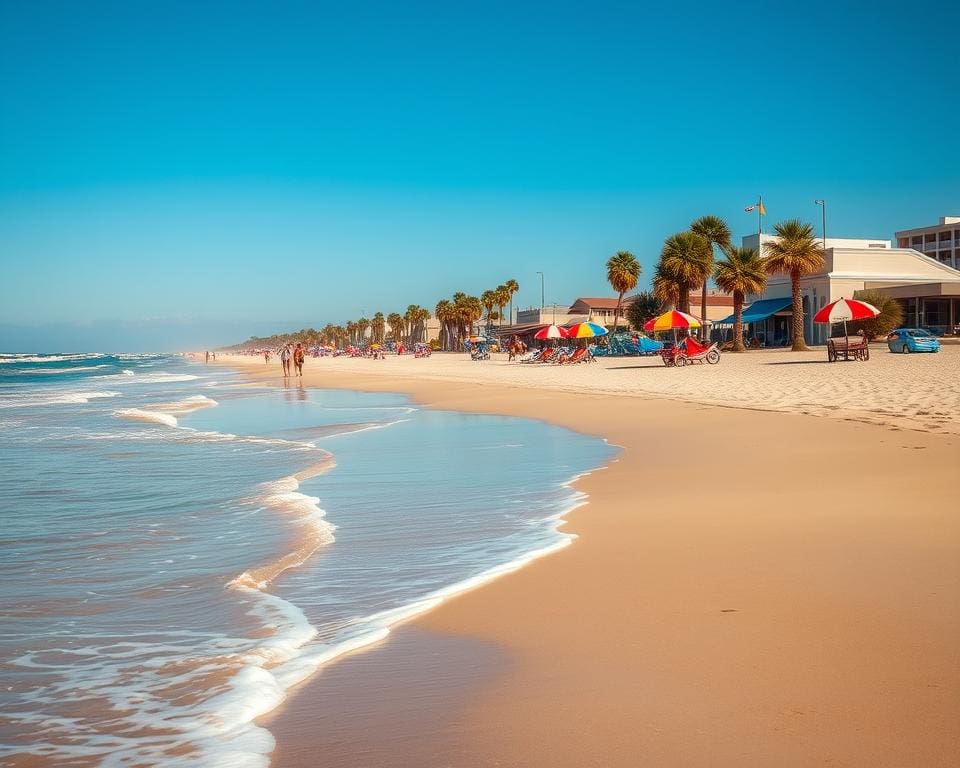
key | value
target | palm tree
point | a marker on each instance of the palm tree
(489, 300)
(715, 231)
(377, 326)
(422, 319)
(468, 309)
(512, 287)
(742, 272)
(795, 252)
(444, 313)
(665, 288)
(410, 317)
(395, 319)
(362, 325)
(623, 271)
(686, 261)
(502, 294)
(352, 331)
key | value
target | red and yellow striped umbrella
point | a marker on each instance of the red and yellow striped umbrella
(670, 320)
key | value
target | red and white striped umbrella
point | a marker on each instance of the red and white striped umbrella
(551, 332)
(845, 309)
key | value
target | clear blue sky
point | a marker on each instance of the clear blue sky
(189, 173)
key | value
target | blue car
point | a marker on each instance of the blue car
(912, 340)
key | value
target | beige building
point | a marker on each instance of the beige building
(601, 310)
(940, 241)
(559, 315)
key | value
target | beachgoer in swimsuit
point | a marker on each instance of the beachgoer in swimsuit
(298, 359)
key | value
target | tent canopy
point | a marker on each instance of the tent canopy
(759, 310)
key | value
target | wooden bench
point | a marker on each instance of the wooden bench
(848, 348)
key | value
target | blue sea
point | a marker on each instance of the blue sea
(179, 547)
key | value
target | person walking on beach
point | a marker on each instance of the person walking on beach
(206, 360)
(285, 359)
(298, 359)
(266, 356)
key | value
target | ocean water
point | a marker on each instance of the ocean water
(178, 548)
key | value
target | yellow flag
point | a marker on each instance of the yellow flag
(763, 211)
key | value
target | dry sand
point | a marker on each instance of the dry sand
(788, 594)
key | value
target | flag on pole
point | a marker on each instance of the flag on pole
(763, 211)
(757, 207)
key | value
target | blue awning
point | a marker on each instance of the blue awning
(759, 310)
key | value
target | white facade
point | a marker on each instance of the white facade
(941, 241)
(755, 241)
(872, 265)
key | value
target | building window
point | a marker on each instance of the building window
(909, 312)
(935, 313)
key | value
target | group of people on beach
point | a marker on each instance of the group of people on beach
(290, 354)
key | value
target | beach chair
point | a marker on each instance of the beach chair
(550, 353)
(578, 356)
(537, 357)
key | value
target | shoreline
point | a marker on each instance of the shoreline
(494, 614)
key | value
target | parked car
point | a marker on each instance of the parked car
(912, 340)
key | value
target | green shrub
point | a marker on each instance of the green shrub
(890, 317)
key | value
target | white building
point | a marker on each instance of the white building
(928, 289)
(941, 241)
(756, 240)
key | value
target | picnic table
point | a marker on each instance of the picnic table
(848, 348)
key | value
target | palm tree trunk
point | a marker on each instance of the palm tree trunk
(616, 312)
(799, 343)
(738, 322)
(703, 313)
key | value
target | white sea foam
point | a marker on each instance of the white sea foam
(141, 415)
(30, 358)
(52, 397)
(283, 497)
(159, 377)
(366, 428)
(165, 413)
(75, 369)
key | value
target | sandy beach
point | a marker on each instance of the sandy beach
(772, 582)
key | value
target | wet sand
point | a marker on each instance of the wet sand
(748, 588)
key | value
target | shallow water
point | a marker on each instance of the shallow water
(179, 548)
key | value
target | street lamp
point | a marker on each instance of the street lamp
(823, 206)
(542, 303)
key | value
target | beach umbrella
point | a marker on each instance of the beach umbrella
(845, 309)
(551, 332)
(671, 320)
(586, 331)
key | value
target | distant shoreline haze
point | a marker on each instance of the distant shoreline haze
(147, 336)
